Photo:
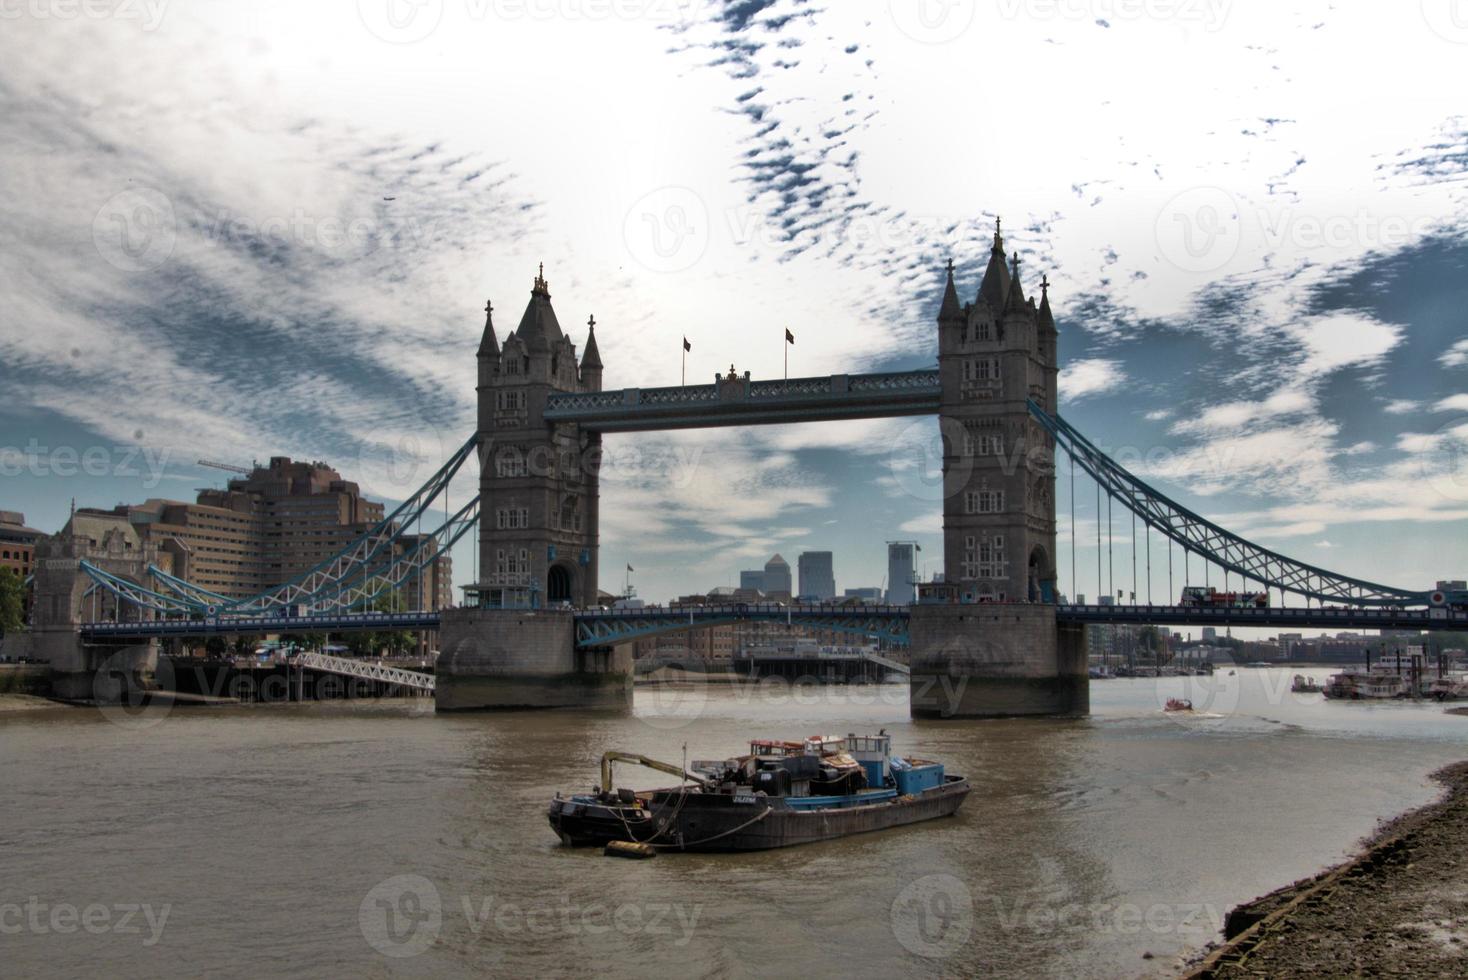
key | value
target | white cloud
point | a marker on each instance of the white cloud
(1158, 415)
(1401, 406)
(1456, 355)
(1092, 376)
(1453, 403)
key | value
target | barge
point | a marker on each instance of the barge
(779, 794)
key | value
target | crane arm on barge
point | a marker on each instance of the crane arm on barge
(642, 760)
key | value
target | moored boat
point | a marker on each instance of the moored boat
(777, 795)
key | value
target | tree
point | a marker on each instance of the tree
(12, 601)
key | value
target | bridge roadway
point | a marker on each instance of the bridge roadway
(605, 627)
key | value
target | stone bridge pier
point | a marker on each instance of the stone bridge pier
(83, 671)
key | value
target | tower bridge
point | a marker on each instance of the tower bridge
(532, 635)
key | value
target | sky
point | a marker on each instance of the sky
(238, 230)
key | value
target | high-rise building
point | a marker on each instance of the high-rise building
(868, 594)
(900, 572)
(262, 530)
(777, 579)
(752, 579)
(817, 578)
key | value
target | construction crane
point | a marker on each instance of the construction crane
(224, 466)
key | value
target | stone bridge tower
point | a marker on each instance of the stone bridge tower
(538, 482)
(994, 355)
(994, 648)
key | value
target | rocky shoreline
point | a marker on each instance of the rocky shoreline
(1399, 908)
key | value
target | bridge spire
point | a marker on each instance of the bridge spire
(591, 357)
(1047, 319)
(994, 290)
(951, 311)
(1016, 297)
(489, 346)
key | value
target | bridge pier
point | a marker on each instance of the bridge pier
(995, 661)
(526, 658)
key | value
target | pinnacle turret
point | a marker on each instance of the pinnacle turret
(950, 311)
(539, 328)
(1015, 300)
(1047, 319)
(994, 290)
(489, 347)
(591, 357)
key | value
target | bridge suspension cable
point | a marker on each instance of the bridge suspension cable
(1224, 548)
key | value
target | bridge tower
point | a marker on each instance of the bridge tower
(993, 647)
(999, 508)
(538, 483)
(514, 645)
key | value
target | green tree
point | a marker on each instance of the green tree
(12, 601)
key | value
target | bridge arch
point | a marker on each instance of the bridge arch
(560, 583)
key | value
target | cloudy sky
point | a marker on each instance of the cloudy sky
(240, 229)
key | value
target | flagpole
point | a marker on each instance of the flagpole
(785, 343)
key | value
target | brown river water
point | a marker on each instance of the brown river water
(376, 838)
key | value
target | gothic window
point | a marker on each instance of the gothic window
(984, 330)
(984, 501)
(511, 462)
(510, 401)
(991, 557)
(512, 518)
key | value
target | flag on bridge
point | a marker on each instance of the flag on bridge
(789, 337)
(631, 569)
(686, 345)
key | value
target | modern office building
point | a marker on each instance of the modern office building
(777, 579)
(900, 572)
(866, 594)
(752, 579)
(817, 578)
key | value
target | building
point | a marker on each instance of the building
(752, 579)
(901, 576)
(872, 595)
(778, 585)
(539, 485)
(996, 355)
(817, 577)
(262, 530)
(17, 543)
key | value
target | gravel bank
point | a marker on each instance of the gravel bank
(1399, 908)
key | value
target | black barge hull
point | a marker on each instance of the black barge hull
(712, 822)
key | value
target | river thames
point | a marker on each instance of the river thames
(377, 838)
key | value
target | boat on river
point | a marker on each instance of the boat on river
(778, 794)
